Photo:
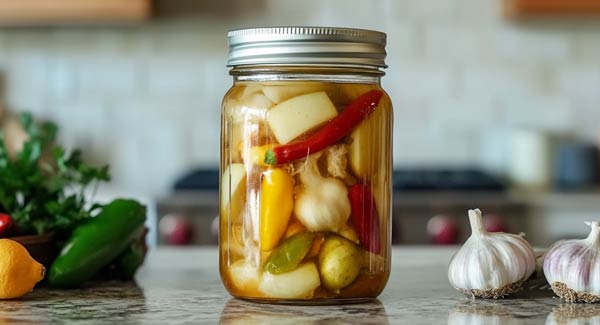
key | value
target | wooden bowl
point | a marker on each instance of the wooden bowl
(41, 247)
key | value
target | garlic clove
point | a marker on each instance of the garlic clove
(491, 265)
(572, 267)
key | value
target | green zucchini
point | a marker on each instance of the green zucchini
(96, 243)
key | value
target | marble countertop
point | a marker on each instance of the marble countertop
(182, 286)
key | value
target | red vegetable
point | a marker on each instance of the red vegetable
(6, 224)
(365, 217)
(443, 230)
(332, 132)
(494, 223)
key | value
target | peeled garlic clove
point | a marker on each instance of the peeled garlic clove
(244, 275)
(297, 284)
(572, 267)
(491, 265)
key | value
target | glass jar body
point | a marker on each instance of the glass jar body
(305, 196)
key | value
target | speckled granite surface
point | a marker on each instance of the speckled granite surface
(183, 287)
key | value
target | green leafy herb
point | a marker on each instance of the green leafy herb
(44, 187)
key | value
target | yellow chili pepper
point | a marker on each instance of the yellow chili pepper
(276, 204)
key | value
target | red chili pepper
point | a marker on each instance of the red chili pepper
(6, 224)
(334, 131)
(365, 217)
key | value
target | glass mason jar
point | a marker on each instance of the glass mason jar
(306, 153)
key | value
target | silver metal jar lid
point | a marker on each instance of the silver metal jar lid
(307, 46)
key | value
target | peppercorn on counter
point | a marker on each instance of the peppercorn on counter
(182, 286)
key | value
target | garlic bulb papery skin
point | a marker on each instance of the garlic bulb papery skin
(491, 265)
(572, 267)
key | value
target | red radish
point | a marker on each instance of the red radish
(181, 235)
(176, 230)
(494, 223)
(443, 230)
(6, 225)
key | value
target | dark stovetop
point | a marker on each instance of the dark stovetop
(446, 180)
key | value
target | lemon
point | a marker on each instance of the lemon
(19, 272)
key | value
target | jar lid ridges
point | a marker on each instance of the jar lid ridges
(307, 45)
(316, 31)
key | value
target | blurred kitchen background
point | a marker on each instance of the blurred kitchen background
(497, 102)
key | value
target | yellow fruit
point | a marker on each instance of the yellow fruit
(276, 205)
(19, 272)
(339, 262)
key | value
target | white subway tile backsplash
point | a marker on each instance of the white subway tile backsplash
(586, 44)
(586, 118)
(419, 79)
(494, 148)
(458, 42)
(216, 83)
(172, 77)
(551, 114)
(471, 113)
(411, 112)
(482, 12)
(4, 52)
(500, 81)
(146, 98)
(84, 125)
(428, 10)
(62, 80)
(106, 77)
(580, 81)
(358, 14)
(516, 43)
(26, 81)
(418, 147)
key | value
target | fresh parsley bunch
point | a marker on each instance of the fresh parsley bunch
(44, 187)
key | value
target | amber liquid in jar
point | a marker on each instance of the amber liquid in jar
(315, 227)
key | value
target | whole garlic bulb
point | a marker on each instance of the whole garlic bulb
(572, 267)
(491, 265)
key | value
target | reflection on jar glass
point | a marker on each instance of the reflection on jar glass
(242, 312)
(305, 195)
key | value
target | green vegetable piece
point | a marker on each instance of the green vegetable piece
(339, 262)
(43, 186)
(290, 253)
(131, 259)
(94, 244)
